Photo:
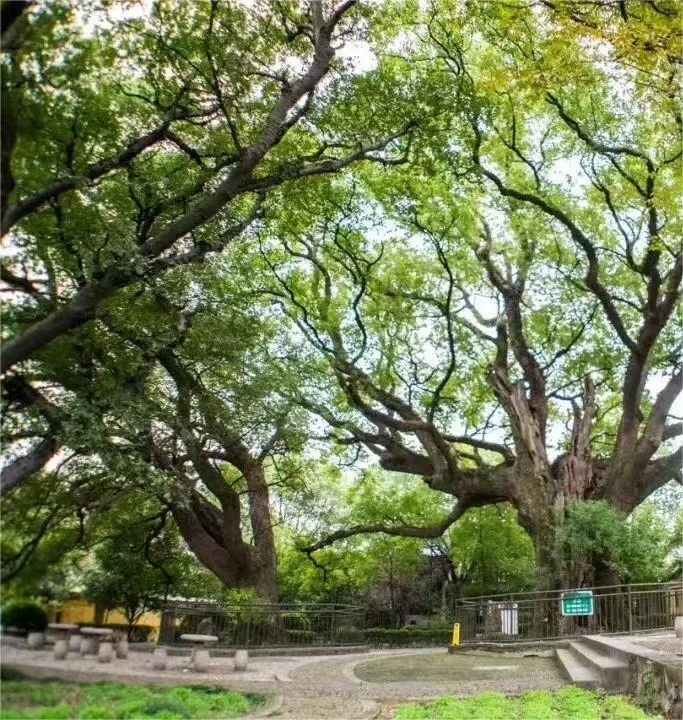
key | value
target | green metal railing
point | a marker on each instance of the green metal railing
(538, 615)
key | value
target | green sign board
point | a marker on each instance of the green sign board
(577, 602)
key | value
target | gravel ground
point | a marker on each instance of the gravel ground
(312, 688)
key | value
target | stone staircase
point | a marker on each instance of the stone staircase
(590, 664)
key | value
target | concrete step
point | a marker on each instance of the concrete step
(613, 672)
(575, 671)
(607, 645)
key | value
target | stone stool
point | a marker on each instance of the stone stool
(88, 646)
(159, 659)
(241, 660)
(61, 649)
(201, 660)
(105, 652)
(35, 640)
(122, 648)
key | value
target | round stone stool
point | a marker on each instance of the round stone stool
(241, 660)
(75, 642)
(159, 659)
(61, 649)
(122, 649)
(35, 640)
(105, 653)
(201, 660)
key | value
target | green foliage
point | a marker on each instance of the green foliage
(594, 535)
(292, 620)
(492, 552)
(137, 633)
(570, 703)
(25, 615)
(408, 637)
(111, 701)
(301, 637)
(647, 697)
(352, 285)
(39, 541)
(648, 544)
(136, 571)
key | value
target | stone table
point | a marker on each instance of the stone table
(64, 633)
(200, 650)
(98, 641)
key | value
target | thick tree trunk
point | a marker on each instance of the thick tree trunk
(264, 552)
(217, 543)
(235, 566)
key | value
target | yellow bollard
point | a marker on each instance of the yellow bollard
(456, 634)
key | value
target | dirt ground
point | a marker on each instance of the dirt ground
(340, 687)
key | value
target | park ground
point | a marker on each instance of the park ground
(380, 684)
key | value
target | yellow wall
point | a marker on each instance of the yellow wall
(74, 611)
(81, 611)
(153, 619)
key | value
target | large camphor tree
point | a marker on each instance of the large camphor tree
(499, 318)
(486, 303)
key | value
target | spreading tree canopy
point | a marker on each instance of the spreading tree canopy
(142, 147)
(447, 233)
(498, 317)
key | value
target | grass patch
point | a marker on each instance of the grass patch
(460, 667)
(24, 699)
(570, 703)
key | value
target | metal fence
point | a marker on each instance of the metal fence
(249, 626)
(538, 615)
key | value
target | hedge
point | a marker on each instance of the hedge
(406, 637)
(135, 633)
(302, 637)
(24, 615)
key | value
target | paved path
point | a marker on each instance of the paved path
(304, 688)
(665, 642)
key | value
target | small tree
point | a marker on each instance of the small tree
(136, 572)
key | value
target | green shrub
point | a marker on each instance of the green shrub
(348, 634)
(25, 615)
(293, 620)
(407, 637)
(301, 637)
(112, 701)
(138, 633)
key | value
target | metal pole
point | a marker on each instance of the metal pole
(630, 610)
